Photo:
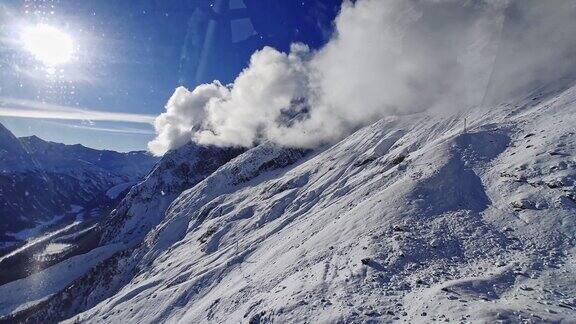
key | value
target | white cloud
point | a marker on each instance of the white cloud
(185, 112)
(11, 107)
(119, 130)
(251, 109)
(386, 57)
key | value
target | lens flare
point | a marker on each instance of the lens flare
(48, 44)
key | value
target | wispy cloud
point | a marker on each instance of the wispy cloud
(122, 130)
(12, 107)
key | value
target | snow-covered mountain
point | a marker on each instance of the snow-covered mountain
(141, 209)
(145, 204)
(43, 182)
(413, 218)
(57, 157)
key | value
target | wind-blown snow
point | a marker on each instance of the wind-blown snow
(385, 58)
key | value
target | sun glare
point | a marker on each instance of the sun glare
(48, 44)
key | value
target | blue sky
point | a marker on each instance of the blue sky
(129, 56)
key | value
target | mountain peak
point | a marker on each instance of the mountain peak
(13, 156)
(31, 138)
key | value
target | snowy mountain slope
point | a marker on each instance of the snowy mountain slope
(125, 226)
(411, 218)
(23, 293)
(321, 220)
(54, 198)
(144, 206)
(135, 215)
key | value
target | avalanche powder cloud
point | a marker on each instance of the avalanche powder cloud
(386, 57)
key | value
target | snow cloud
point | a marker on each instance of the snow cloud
(185, 113)
(386, 57)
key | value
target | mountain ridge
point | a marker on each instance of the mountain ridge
(42, 180)
(412, 217)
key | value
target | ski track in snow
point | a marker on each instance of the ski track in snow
(41, 239)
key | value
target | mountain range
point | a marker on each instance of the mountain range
(414, 218)
(45, 185)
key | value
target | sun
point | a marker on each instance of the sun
(48, 44)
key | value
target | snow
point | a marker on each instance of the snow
(36, 240)
(74, 235)
(55, 248)
(52, 249)
(39, 286)
(145, 204)
(409, 219)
